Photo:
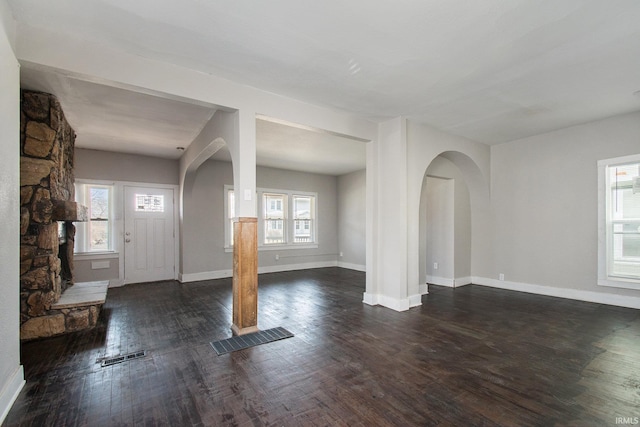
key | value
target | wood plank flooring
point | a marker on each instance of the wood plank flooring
(472, 356)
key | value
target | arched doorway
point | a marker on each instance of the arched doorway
(453, 193)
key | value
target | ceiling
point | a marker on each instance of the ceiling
(112, 119)
(491, 71)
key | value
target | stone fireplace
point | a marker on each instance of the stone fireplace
(47, 213)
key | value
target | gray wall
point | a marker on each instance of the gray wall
(444, 168)
(203, 226)
(96, 269)
(105, 165)
(545, 200)
(351, 219)
(11, 376)
(109, 166)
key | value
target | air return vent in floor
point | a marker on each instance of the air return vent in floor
(108, 361)
(249, 340)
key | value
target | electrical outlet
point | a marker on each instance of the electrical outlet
(341, 254)
(501, 276)
(277, 257)
(435, 265)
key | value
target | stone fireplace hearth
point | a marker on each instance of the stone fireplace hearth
(47, 213)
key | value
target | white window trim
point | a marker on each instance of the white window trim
(85, 254)
(604, 195)
(290, 223)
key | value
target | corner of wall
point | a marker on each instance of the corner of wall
(10, 392)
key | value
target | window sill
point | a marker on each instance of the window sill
(293, 247)
(620, 283)
(88, 256)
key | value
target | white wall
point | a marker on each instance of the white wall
(11, 374)
(351, 220)
(204, 254)
(544, 208)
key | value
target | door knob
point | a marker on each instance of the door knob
(127, 240)
(128, 233)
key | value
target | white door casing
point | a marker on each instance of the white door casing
(149, 236)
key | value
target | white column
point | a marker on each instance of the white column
(243, 152)
(391, 237)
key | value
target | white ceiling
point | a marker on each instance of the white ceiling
(490, 70)
(112, 119)
(291, 147)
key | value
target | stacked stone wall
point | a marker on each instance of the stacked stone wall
(46, 176)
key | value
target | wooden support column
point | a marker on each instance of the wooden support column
(245, 276)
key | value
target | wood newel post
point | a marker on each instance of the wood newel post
(245, 276)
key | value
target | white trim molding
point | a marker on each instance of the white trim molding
(415, 300)
(440, 281)
(423, 289)
(10, 392)
(462, 281)
(386, 301)
(451, 283)
(351, 266)
(575, 294)
(222, 274)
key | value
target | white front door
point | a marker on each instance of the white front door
(149, 242)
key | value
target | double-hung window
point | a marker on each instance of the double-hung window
(303, 213)
(96, 234)
(285, 218)
(274, 216)
(619, 230)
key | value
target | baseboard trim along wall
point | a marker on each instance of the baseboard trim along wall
(350, 266)
(10, 392)
(415, 300)
(452, 283)
(575, 294)
(222, 274)
(386, 301)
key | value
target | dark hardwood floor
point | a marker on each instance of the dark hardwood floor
(470, 356)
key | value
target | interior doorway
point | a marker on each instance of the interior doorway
(445, 225)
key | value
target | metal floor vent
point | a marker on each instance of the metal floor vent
(249, 340)
(108, 361)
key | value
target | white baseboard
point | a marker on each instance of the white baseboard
(10, 392)
(292, 267)
(204, 275)
(441, 281)
(222, 274)
(451, 283)
(462, 281)
(415, 300)
(386, 301)
(424, 289)
(370, 299)
(575, 294)
(350, 266)
(116, 283)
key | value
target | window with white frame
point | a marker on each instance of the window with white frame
(303, 210)
(274, 215)
(619, 230)
(96, 234)
(284, 218)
